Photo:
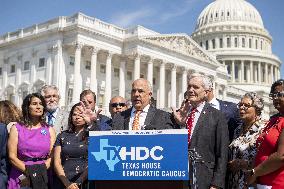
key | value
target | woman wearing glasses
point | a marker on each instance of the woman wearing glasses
(242, 150)
(269, 161)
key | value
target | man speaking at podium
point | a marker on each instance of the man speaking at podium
(142, 116)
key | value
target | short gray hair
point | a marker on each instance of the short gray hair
(207, 82)
(46, 87)
(257, 101)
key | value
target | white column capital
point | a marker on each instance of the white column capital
(94, 50)
(172, 66)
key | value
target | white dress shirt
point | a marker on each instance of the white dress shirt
(215, 103)
(142, 117)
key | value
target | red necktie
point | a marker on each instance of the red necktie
(189, 123)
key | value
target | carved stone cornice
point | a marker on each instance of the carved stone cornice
(180, 43)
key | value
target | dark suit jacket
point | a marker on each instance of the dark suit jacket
(155, 120)
(3, 156)
(103, 123)
(232, 115)
(210, 140)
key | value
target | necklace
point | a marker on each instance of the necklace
(272, 123)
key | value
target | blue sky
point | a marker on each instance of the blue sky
(164, 16)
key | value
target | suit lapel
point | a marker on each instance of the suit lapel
(200, 121)
(127, 119)
(221, 105)
(150, 116)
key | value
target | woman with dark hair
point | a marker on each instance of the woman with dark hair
(30, 143)
(269, 161)
(71, 152)
(9, 114)
(242, 150)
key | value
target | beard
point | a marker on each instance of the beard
(51, 107)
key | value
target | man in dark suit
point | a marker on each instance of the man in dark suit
(148, 117)
(208, 136)
(230, 111)
(95, 121)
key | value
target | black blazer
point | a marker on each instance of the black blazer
(3, 155)
(155, 120)
(232, 115)
(210, 139)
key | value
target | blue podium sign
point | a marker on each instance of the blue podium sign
(138, 155)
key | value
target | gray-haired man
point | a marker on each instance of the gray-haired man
(56, 117)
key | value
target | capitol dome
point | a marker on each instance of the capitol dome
(226, 12)
(234, 32)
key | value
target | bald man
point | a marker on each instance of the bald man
(117, 104)
(142, 115)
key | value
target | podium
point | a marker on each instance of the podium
(138, 159)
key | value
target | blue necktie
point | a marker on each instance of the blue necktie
(50, 120)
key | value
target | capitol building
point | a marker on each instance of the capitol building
(229, 44)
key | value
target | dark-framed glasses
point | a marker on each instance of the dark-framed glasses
(276, 95)
(121, 104)
(244, 106)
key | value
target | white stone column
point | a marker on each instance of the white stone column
(33, 67)
(93, 82)
(233, 71)
(19, 70)
(259, 72)
(217, 41)
(150, 71)
(279, 74)
(77, 86)
(5, 73)
(266, 73)
(18, 78)
(108, 83)
(184, 80)
(162, 85)
(122, 76)
(251, 72)
(242, 71)
(248, 74)
(49, 67)
(255, 73)
(136, 67)
(60, 79)
(271, 73)
(173, 85)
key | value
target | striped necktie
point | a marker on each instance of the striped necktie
(135, 125)
(189, 123)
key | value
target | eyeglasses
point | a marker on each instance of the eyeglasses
(114, 105)
(245, 106)
(276, 95)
